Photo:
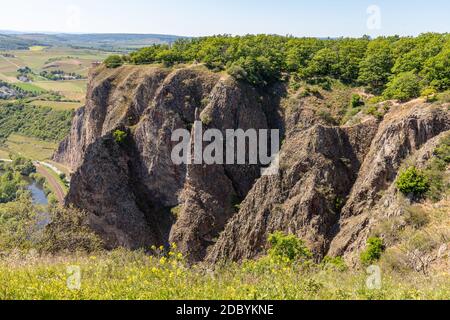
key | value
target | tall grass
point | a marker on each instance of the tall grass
(127, 275)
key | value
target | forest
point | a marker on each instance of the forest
(394, 67)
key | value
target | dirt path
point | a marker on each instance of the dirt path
(10, 62)
(58, 190)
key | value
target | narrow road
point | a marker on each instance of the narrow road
(58, 190)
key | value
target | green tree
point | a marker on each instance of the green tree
(375, 69)
(324, 63)
(299, 52)
(412, 53)
(350, 54)
(11, 185)
(113, 61)
(437, 70)
(404, 86)
(24, 166)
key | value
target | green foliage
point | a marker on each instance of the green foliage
(23, 166)
(327, 117)
(430, 94)
(262, 60)
(11, 186)
(375, 68)
(351, 52)
(39, 179)
(339, 203)
(412, 181)
(288, 248)
(437, 70)
(356, 101)
(120, 136)
(442, 152)
(133, 275)
(336, 263)
(42, 123)
(17, 224)
(113, 61)
(436, 171)
(373, 252)
(68, 231)
(403, 87)
(323, 64)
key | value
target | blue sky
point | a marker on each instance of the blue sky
(201, 17)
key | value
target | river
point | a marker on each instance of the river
(37, 193)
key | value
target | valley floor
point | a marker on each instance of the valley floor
(131, 275)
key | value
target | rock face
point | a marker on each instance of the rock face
(402, 134)
(318, 169)
(328, 190)
(130, 189)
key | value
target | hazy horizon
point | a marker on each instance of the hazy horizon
(326, 18)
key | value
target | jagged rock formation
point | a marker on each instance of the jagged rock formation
(138, 182)
(328, 191)
(402, 134)
(318, 169)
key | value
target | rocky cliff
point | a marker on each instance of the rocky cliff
(328, 190)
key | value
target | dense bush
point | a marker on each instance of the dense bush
(22, 227)
(356, 101)
(113, 61)
(120, 136)
(373, 252)
(68, 231)
(412, 181)
(375, 68)
(288, 248)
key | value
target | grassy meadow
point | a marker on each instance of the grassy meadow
(56, 105)
(30, 148)
(134, 275)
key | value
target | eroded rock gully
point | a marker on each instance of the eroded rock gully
(328, 187)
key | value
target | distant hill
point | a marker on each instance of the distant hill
(108, 42)
(9, 42)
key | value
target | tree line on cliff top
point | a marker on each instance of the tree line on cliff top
(397, 67)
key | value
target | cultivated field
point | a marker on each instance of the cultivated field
(56, 105)
(30, 148)
(39, 59)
